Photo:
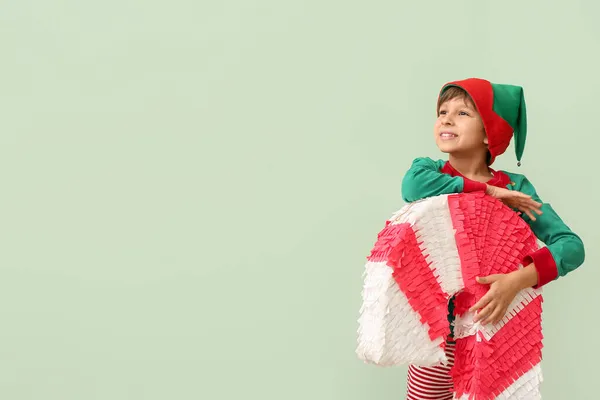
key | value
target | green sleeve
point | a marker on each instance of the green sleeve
(564, 250)
(425, 179)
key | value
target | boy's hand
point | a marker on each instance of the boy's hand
(493, 305)
(503, 290)
(515, 199)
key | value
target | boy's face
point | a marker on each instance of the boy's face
(459, 129)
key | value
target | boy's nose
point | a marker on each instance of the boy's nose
(446, 120)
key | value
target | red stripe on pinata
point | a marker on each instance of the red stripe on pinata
(397, 245)
(388, 238)
(485, 369)
(490, 238)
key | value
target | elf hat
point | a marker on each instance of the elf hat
(502, 110)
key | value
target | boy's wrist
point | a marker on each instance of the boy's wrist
(527, 277)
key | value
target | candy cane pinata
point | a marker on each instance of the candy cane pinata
(428, 252)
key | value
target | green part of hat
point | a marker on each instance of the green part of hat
(509, 104)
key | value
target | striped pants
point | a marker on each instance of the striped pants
(431, 383)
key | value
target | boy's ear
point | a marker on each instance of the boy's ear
(485, 140)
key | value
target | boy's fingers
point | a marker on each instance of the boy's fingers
(529, 214)
(531, 203)
(523, 195)
(496, 316)
(535, 210)
(487, 320)
(482, 302)
(488, 279)
(535, 204)
(484, 314)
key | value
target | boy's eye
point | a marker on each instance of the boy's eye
(463, 113)
(442, 112)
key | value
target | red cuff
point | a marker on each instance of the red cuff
(473, 186)
(544, 264)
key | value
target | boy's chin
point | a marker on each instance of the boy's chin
(445, 149)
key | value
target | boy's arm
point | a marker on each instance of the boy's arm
(564, 251)
(424, 179)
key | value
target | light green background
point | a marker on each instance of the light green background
(190, 188)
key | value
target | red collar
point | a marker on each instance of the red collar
(500, 179)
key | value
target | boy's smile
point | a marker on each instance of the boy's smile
(447, 135)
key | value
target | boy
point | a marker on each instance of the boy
(476, 121)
